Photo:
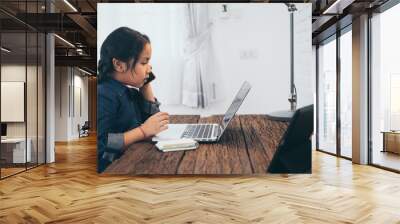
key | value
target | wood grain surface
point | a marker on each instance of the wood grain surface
(246, 147)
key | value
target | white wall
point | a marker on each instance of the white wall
(304, 58)
(33, 127)
(61, 103)
(69, 79)
(80, 83)
(16, 73)
(251, 42)
(164, 24)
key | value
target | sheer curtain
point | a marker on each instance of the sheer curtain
(200, 70)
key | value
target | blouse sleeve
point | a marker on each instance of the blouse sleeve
(149, 108)
(106, 115)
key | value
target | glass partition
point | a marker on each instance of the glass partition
(22, 91)
(385, 89)
(346, 93)
(327, 96)
(13, 87)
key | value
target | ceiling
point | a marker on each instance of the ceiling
(76, 23)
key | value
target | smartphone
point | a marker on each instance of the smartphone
(150, 78)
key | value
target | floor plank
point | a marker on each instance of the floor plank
(70, 191)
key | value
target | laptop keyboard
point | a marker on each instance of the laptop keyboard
(198, 131)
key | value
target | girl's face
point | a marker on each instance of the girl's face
(140, 72)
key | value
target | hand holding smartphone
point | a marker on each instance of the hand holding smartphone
(150, 78)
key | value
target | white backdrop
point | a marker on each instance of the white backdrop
(250, 42)
(12, 101)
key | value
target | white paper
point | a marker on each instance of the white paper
(173, 132)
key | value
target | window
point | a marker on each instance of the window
(346, 93)
(334, 106)
(394, 101)
(327, 96)
(385, 89)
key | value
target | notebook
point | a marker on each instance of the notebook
(177, 145)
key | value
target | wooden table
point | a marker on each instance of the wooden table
(391, 141)
(247, 147)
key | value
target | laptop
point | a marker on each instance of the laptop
(207, 132)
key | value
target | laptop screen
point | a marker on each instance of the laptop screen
(237, 102)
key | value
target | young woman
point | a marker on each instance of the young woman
(127, 110)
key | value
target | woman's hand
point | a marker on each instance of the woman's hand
(155, 124)
(147, 92)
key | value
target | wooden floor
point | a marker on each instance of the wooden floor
(70, 191)
(387, 159)
(10, 171)
(5, 172)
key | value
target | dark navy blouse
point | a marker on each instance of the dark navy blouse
(119, 109)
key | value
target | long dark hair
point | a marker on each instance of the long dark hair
(123, 44)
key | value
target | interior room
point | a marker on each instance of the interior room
(261, 49)
(343, 60)
(204, 72)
